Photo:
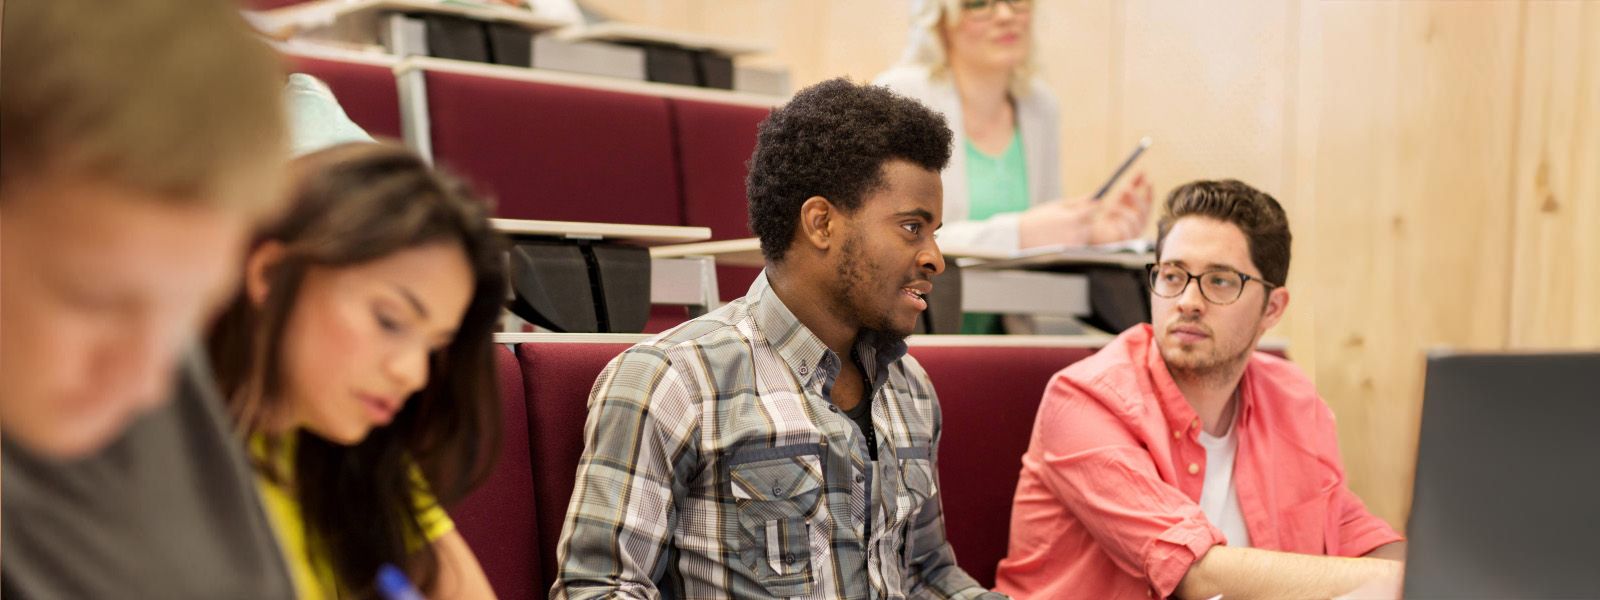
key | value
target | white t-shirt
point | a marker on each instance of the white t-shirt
(1219, 499)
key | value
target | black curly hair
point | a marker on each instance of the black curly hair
(832, 140)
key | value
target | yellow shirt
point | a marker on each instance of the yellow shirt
(313, 575)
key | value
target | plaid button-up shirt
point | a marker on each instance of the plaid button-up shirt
(715, 466)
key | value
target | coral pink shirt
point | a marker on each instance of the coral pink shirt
(1108, 502)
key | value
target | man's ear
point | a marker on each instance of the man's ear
(258, 270)
(819, 223)
(1277, 304)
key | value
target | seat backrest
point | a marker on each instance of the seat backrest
(499, 519)
(714, 142)
(557, 152)
(558, 377)
(366, 90)
(988, 397)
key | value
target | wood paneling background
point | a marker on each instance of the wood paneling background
(1439, 159)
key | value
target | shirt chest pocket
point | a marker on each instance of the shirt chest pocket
(777, 492)
(917, 485)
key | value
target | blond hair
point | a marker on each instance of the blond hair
(926, 46)
(172, 97)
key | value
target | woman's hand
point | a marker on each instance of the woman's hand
(1058, 222)
(1083, 221)
(1125, 217)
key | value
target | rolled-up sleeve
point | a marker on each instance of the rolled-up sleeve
(1099, 471)
(1359, 530)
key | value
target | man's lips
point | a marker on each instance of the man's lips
(1188, 333)
(917, 293)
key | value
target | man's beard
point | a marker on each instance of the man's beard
(1221, 363)
(853, 293)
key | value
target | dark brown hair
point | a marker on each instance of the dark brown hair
(354, 204)
(1257, 214)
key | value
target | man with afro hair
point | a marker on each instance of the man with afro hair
(785, 444)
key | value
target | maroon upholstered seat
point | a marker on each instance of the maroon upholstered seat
(714, 145)
(498, 519)
(715, 142)
(366, 91)
(988, 396)
(557, 152)
(558, 377)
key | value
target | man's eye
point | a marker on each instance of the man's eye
(913, 227)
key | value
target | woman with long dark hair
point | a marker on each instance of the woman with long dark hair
(357, 363)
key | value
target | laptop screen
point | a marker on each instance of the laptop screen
(1507, 497)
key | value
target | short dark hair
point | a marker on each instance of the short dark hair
(1258, 215)
(832, 140)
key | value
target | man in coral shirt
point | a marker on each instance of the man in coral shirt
(1178, 461)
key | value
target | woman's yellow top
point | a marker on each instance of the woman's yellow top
(313, 574)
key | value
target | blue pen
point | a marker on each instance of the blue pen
(394, 585)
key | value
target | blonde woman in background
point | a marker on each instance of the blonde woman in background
(973, 61)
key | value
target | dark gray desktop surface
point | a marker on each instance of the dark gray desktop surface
(1507, 498)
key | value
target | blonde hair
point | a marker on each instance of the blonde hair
(925, 46)
(172, 97)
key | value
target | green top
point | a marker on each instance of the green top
(996, 184)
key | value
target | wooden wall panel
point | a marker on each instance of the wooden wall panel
(1078, 48)
(1413, 162)
(1556, 274)
(1206, 80)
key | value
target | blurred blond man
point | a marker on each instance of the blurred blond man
(141, 141)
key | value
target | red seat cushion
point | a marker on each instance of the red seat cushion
(733, 282)
(715, 142)
(557, 152)
(988, 396)
(498, 519)
(558, 377)
(367, 92)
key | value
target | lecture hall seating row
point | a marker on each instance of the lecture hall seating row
(513, 522)
(568, 148)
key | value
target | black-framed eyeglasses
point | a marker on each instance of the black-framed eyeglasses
(1218, 286)
(983, 9)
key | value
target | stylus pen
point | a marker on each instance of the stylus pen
(1143, 143)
